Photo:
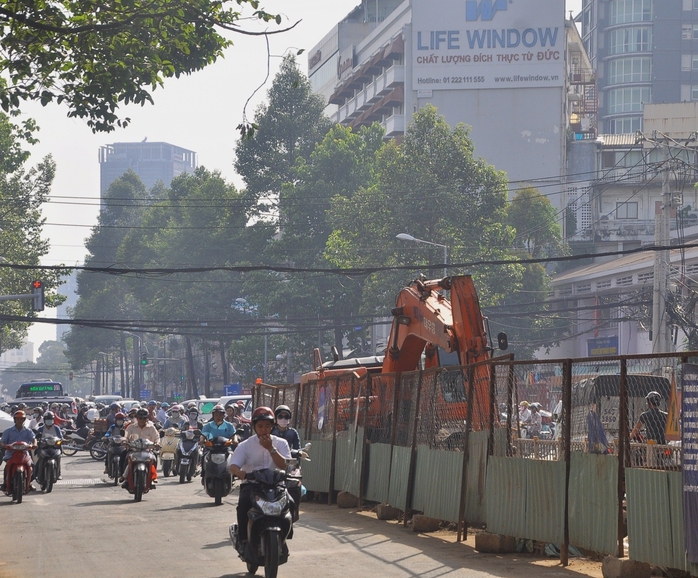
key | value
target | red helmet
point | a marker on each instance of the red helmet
(20, 413)
(262, 413)
(119, 415)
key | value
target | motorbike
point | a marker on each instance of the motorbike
(83, 439)
(18, 472)
(115, 453)
(294, 481)
(270, 522)
(48, 462)
(142, 468)
(167, 451)
(187, 454)
(217, 479)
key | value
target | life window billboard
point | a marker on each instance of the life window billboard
(469, 44)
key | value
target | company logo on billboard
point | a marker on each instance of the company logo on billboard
(483, 9)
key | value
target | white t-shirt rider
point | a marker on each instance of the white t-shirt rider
(250, 455)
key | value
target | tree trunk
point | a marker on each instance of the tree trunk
(338, 341)
(124, 367)
(98, 377)
(224, 362)
(207, 370)
(192, 388)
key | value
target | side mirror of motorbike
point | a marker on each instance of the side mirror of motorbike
(240, 431)
(162, 433)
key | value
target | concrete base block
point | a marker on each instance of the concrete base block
(387, 512)
(421, 523)
(487, 543)
(347, 500)
(613, 567)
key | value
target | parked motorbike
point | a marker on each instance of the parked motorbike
(115, 457)
(142, 468)
(18, 472)
(270, 522)
(167, 451)
(217, 479)
(187, 454)
(48, 462)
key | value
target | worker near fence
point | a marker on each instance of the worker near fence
(653, 420)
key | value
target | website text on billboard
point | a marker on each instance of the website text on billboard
(491, 42)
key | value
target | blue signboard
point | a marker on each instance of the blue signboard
(602, 346)
(232, 389)
(145, 394)
(689, 445)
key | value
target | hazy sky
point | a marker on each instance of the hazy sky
(199, 112)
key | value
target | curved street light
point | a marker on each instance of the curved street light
(406, 237)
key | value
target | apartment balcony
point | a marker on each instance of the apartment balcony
(394, 125)
(372, 93)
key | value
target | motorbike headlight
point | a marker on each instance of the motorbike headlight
(218, 458)
(272, 508)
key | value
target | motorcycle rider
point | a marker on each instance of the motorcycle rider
(37, 418)
(283, 430)
(152, 410)
(176, 418)
(217, 427)
(111, 416)
(141, 429)
(193, 421)
(161, 414)
(17, 433)
(48, 428)
(118, 428)
(261, 450)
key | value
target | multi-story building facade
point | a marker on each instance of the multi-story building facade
(503, 68)
(151, 161)
(643, 51)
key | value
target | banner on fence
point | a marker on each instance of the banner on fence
(689, 443)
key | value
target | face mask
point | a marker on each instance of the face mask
(175, 414)
(119, 422)
(48, 422)
(283, 422)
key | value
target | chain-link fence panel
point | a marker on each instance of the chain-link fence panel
(442, 409)
(377, 416)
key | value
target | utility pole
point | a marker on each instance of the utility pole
(661, 340)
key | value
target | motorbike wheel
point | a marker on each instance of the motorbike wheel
(138, 485)
(69, 450)
(218, 491)
(272, 550)
(50, 476)
(166, 467)
(98, 451)
(182, 476)
(18, 487)
(115, 470)
(252, 568)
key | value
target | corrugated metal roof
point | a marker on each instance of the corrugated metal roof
(629, 263)
(615, 140)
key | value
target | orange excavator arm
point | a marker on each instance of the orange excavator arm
(424, 318)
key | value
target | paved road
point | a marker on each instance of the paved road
(86, 529)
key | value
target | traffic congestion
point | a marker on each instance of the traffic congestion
(139, 443)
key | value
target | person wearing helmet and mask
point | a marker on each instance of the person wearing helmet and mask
(49, 427)
(161, 414)
(193, 421)
(653, 420)
(176, 418)
(142, 429)
(284, 430)
(261, 450)
(113, 410)
(152, 410)
(118, 428)
(17, 433)
(217, 427)
(37, 418)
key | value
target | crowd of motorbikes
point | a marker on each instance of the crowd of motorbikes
(181, 454)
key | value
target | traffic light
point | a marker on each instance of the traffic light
(38, 292)
(144, 359)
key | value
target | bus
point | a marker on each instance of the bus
(40, 388)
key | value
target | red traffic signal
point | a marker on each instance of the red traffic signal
(38, 292)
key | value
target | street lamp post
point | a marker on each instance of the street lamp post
(406, 237)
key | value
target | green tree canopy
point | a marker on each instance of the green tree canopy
(536, 222)
(22, 192)
(95, 57)
(430, 186)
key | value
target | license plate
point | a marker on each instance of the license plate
(185, 461)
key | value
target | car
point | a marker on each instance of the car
(106, 399)
(6, 421)
(127, 404)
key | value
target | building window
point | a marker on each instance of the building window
(635, 39)
(623, 11)
(625, 125)
(629, 99)
(624, 70)
(695, 4)
(626, 210)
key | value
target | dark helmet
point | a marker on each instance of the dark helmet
(283, 409)
(49, 416)
(262, 413)
(654, 398)
(142, 413)
(115, 406)
(152, 402)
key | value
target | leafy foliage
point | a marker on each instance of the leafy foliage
(22, 192)
(536, 223)
(95, 56)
